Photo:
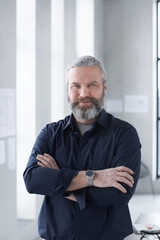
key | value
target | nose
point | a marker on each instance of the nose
(84, 92)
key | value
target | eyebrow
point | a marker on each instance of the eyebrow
(93, 82)
(75, 83)
(87, 83)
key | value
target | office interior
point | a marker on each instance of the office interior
(38, 39)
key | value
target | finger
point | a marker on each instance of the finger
(124, 169)
(44, 163)
(120, 187)
(44, 160)
(124, 180)
(41, 164)
(50, 160)
(47, 155)
(47, 160)
(54, 164)
(127, 176)
(39, 156)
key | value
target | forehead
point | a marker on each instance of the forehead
(85, 73)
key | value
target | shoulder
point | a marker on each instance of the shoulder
(110, 122)
(51, 130)
(121, 127)
(54, 127)
(114, 122)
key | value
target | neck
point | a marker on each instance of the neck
(85, 120)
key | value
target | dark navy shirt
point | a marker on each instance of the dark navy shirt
(100, 213)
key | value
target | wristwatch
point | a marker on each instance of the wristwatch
(90, 174)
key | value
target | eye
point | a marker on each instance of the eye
(75, 86)
(92, 85)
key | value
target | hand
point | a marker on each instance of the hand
(72, 197)
(112, 177)
(46, 161)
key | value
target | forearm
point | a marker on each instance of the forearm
(47, 181)
(109, 186)
(104, 197)
(78, 182)
(40, 180)
(111, 177)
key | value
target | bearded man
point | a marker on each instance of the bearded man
(86, 165)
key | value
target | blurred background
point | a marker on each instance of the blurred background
(38, 39)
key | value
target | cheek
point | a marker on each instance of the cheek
(72, 94)
(96, 94)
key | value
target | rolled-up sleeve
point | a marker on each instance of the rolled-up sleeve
(43, 180)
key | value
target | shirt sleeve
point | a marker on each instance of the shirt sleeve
(43, 180)
(127, 153)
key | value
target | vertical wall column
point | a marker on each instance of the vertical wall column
(57, 60)
(70, 42)
(8, 220)
(43, 70)
(43, 63)
(99, 29)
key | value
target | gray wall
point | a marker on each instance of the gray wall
(43, 70)
(124, 42)
(8, 217)
(43, 63)
(128, 57)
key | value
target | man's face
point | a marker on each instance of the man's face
(86, 91)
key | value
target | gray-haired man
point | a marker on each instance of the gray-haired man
(87, 165)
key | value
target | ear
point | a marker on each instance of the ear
(105, 87)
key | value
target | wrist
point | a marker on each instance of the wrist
(90, 175)
(83, 179)
(95, 178)
(78, 182)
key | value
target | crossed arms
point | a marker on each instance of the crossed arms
(111, 177)
(111, 186)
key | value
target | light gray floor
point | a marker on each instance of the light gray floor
(144, 204)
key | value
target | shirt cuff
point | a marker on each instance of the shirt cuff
(65, 177)
(80, 195)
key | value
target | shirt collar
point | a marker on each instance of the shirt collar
(102, 120)
(68, 122)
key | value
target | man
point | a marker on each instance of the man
(86, 165)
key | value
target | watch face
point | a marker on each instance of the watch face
(90, 173)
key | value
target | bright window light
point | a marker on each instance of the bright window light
(85, 27)
(57, 58)
(159, 30)
(25, 101)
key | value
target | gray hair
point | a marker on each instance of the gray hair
(87, 61)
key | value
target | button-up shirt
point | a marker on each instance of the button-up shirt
(99, 213)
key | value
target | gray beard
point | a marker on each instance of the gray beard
(87, 112)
